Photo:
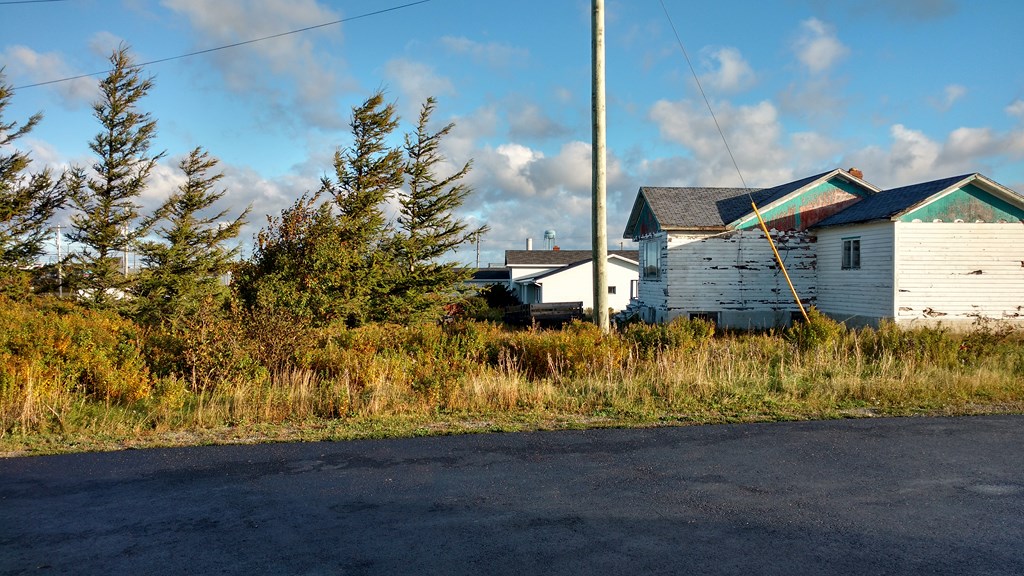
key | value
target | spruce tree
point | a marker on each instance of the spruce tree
(366, 175)
(27, 201)
(105, 224)
(429, 228)
(182, 273)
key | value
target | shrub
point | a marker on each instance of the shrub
(679, 334)
(51, 349)
(817, 332)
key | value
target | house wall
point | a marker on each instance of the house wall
(735, 276)
(652, 293)
(955, 273)
(576, 284)
(857, 297)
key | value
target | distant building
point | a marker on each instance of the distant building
(546, 276)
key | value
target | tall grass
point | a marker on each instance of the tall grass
(70, 372)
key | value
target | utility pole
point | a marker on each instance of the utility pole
(600, 219)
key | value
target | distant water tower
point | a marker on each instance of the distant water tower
(549, 238)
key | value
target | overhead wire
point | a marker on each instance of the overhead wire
(28, 1)
(226, 46)
(707, 102)
(725, 141)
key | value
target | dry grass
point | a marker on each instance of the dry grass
(391, 380)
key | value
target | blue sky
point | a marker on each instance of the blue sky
(906, 90)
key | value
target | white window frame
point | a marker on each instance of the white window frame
(652, 251)
(851, 253)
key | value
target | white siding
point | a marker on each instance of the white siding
(735, 275)
(859, 296)
(957, 272)
(651, 293)
(576, 284)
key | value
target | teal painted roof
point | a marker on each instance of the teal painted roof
(889, 203)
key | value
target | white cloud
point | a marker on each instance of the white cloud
(950, 95)
(530, 121)
(104, 43)
(313, 80)
(912, 156)
(26, 66)
(730, 72)
(754, 134)
(818, 48)
(416, 82)
(1016, 108)
(491, 53)
(818, 99)
(463, 140)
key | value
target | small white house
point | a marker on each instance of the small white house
(546, 276)
(949, 251)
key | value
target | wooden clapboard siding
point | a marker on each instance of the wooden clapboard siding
(736, 272)
(866, 292)
(652, 292)
(956, 271)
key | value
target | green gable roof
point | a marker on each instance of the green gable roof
(969, 197)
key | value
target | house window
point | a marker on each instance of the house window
(634, 288)
(851, 253)
(705, 316)
(611, 289)
(652, 259)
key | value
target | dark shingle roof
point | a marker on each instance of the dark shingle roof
(486, 274)
(681, 208)
(889, 203)
(695, 207)
(545, 258)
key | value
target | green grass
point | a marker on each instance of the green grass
(110, 385)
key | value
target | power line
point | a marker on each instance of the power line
(224, 47)
(29, 1)
(703, 95)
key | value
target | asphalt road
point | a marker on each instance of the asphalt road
(873, 496)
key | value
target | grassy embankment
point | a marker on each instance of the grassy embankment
(75, 380)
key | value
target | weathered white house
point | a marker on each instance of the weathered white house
(546, 276)
(949, 251)
(702, 253)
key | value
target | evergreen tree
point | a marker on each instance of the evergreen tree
(429, 228)
(366, 175)
(107, 212)
(27, 201)
(183, 272)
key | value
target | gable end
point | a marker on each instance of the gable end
(967, 203)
